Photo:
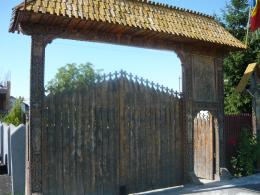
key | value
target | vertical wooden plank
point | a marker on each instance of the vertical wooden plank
(211, 164)
(163, 139)
(122, 135)
(158, 139)
(79, 143)
(52, 149)
(116, 86)
(63, 141)
(92, 140)
(208, 143)
(142, 138)
(131, 135)
(135, 130)
(168, 168)
(127, 111)
(173, 118)
(178, 137)
(166, 159)
(147, 136)
(58, 141)
(86, 135)
(167, 173)
(105, 137)
(66, 146)
(45, 148)
(203, 142)
(50, 110)
(128, 137)
(138, 131)
(206, 146)
(99, 140)
(196, 146)
(200, 151)
(200, 146)
(73, 140)
(153, 138)
(112, 142)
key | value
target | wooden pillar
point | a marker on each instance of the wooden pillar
(186, 60)
(34, 171)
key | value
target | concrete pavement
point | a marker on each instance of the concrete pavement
(5, 185)
(240, 186)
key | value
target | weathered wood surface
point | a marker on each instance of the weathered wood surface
(118, 132)
(203, 146)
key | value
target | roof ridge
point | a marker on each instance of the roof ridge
(165, 5)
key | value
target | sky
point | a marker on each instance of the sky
(159, 66)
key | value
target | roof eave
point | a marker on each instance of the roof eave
(14, 19)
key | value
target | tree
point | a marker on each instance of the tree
(15, 116)
(72, 76)
(235, 18)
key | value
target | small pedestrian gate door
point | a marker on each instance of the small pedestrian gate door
(203, 145)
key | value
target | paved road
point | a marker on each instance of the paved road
(241, 190)
(5, 185)
(242, 186)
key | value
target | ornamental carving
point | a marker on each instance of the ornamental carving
(204, 88)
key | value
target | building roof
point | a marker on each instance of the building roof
(137, 14)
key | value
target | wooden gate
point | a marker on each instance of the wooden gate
(119, 135)
(203, 145)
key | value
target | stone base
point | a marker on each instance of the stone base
(194, 179)
(225, 174)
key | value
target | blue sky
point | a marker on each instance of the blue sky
(156, 65)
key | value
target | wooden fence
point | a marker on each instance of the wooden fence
(119, 135)
(232, 131)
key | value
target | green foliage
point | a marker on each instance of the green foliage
(244, 163)
(15, 116)
(72, 76)
(234, 67)
(235, 18)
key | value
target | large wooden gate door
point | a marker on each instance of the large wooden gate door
(203, 145)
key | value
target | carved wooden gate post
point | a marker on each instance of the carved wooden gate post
(186, 59)
(203, 90)
(34, 182)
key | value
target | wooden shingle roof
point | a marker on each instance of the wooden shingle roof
(137, 14)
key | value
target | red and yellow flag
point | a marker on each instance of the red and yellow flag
(255, 16)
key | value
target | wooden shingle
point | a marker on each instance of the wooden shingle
(139, 14)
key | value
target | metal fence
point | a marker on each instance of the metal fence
(232, 131)
(12, 155)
